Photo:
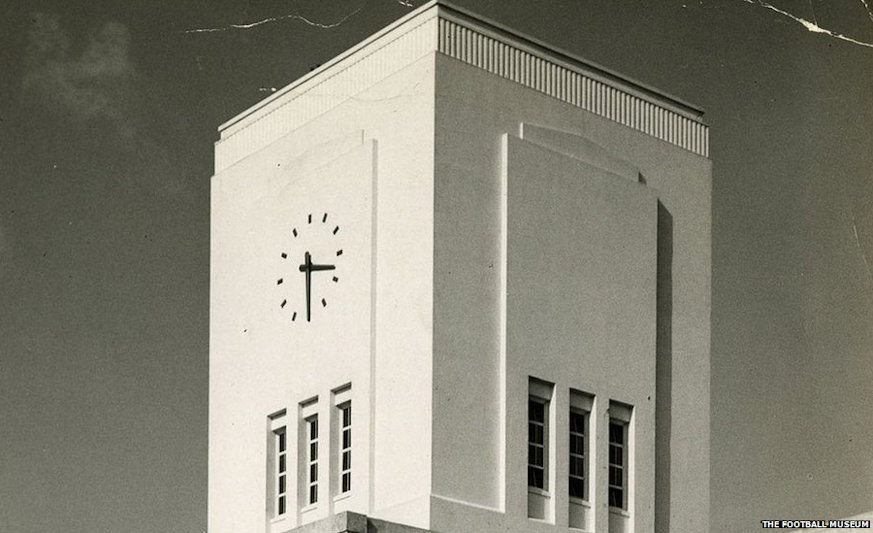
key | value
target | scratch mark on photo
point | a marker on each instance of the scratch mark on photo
(268, 20)
(808, 24)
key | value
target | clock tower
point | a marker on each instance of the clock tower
(460, 283)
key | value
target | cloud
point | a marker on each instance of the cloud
(95, 84)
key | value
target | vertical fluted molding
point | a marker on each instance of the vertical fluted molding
(575, 88)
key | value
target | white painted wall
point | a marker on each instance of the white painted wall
(473, 111)
(368, 164)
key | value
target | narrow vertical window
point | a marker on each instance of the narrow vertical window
(277, 463)
(578, 441)
(540, 453)
(536, 442)
(580, 515)
(346, 450)
(312, 458)
(619, 463)
(281, 446)
(341, 447)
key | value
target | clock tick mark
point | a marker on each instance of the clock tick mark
(335, 279)
(284, 255)
(294, 316)
(323, 302)
(339, 252)
(336, 229)
(310, 218)
(294, 231)
(279, 281)
(282, 305)
(324, 218)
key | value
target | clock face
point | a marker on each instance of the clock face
(310, 267)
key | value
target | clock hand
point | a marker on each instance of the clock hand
(308, 267)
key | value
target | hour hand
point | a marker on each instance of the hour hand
(322, 267)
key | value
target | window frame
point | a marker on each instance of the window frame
(542, 446)
(582, 456)
(279, 456)
(541, 392)
(581, 404)
(281, 471)
(308, 456)
(312, 456)
(620, 416)
(345, 447)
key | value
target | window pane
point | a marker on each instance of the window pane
(347, 416)
(313, 451)
(535, 433)
(576, 444)
(576, 488)
(535, 477)
(347, 482)
(313, 429)
(281, 484)
(614, 476)
(616, 433)
(282, 463)
(282, 441)
(577, 467)
(347, 439)
(616, 497)
(282, 505)
(347, 460)
(536, 411)
(313, 494)
(313, 473)
(577, 422)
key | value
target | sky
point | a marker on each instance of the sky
(108, 115)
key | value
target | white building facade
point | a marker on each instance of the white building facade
(460, 282)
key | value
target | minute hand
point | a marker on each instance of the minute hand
(308, 267)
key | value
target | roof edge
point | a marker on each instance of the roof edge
(329, 64)
(446, 7)
(607, 75)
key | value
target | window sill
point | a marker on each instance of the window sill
(309, 508)
(342, 496)
(618, 511)
(279, 519)
(539, 492)
(579, 501)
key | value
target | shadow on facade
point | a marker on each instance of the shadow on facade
(663, 369)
